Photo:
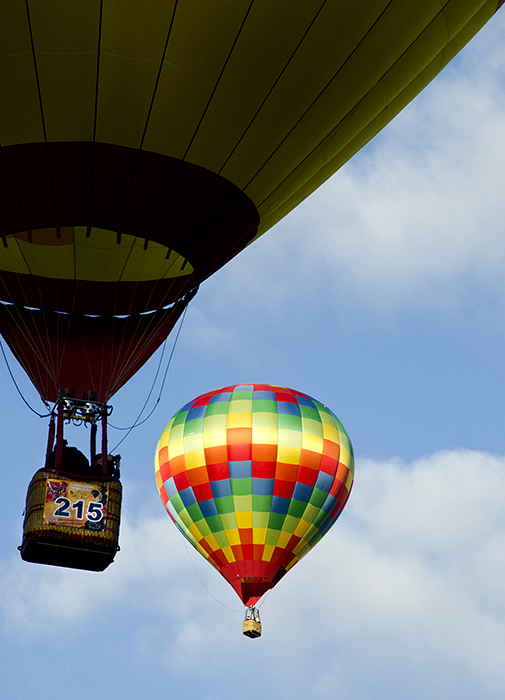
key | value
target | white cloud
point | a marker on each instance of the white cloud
(414, 220)
(405, 591)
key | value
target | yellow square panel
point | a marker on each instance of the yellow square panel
(264, 436)
(244, 520)
(214, 438)
(216, 422)
(267, 552)
(301, 528)
(284, 538)
(259, 535)
(175, 448)
(233, 537)
(193, 442)
(239, 420)
(211, 540)
(330, 432)
(301, 544)
(291, 438)
(345, 457)
(228, 553)
(288, 454)
(195, 459)
(312, 442)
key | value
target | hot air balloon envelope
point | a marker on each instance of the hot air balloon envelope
(254, 475)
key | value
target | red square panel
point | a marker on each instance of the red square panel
(284, 488)
(239, 453)
(203, 492)
(263, 470)
(307, 476)
(181, 481)
(219, 471)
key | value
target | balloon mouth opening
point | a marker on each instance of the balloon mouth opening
(250, 588)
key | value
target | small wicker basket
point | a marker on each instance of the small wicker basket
(72, 520)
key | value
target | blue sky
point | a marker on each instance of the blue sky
(383, 296)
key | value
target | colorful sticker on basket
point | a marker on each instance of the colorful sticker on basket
(76, 504)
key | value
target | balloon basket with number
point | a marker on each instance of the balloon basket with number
(72, 520)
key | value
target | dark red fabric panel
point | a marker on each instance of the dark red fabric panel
(29, 170)
(196, 212)
(82, 352)
(11, 217)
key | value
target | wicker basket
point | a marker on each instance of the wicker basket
(72, 520)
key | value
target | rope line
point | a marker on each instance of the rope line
(136, 424)
(40, 415)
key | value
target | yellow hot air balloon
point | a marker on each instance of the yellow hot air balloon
(144, 144)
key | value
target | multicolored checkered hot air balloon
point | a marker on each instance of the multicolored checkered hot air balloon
(254, 475)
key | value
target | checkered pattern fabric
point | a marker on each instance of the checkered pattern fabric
(254, 475)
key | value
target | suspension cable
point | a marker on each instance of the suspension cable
(40, 415)
(136, 424)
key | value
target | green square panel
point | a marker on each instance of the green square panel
(195, 513)
(272, 536)
(180, 418)
(260, 519)
(264, 419)
(243, 504)
(296, 508)
(224, 504)
(276, 521)
(241, 487)
(264, 406)
(218, 408)
(317, 498)
(286, 420)
(229, 521)
(261, 504)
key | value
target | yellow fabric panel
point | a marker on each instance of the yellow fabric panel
(244, 518)
(201, 38)
(288, 454)
(20, 119)
(193, 441)
(259, 534)
(239, 420)
(273, 113)
(65, 37)
(195, 458)
(97, 257)
(240, 406)
(339, 147)
(175, 448)
(233, 537)
(213, 437)
(265, 436)
(265, 45)
(312, 442)
(133, 39)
